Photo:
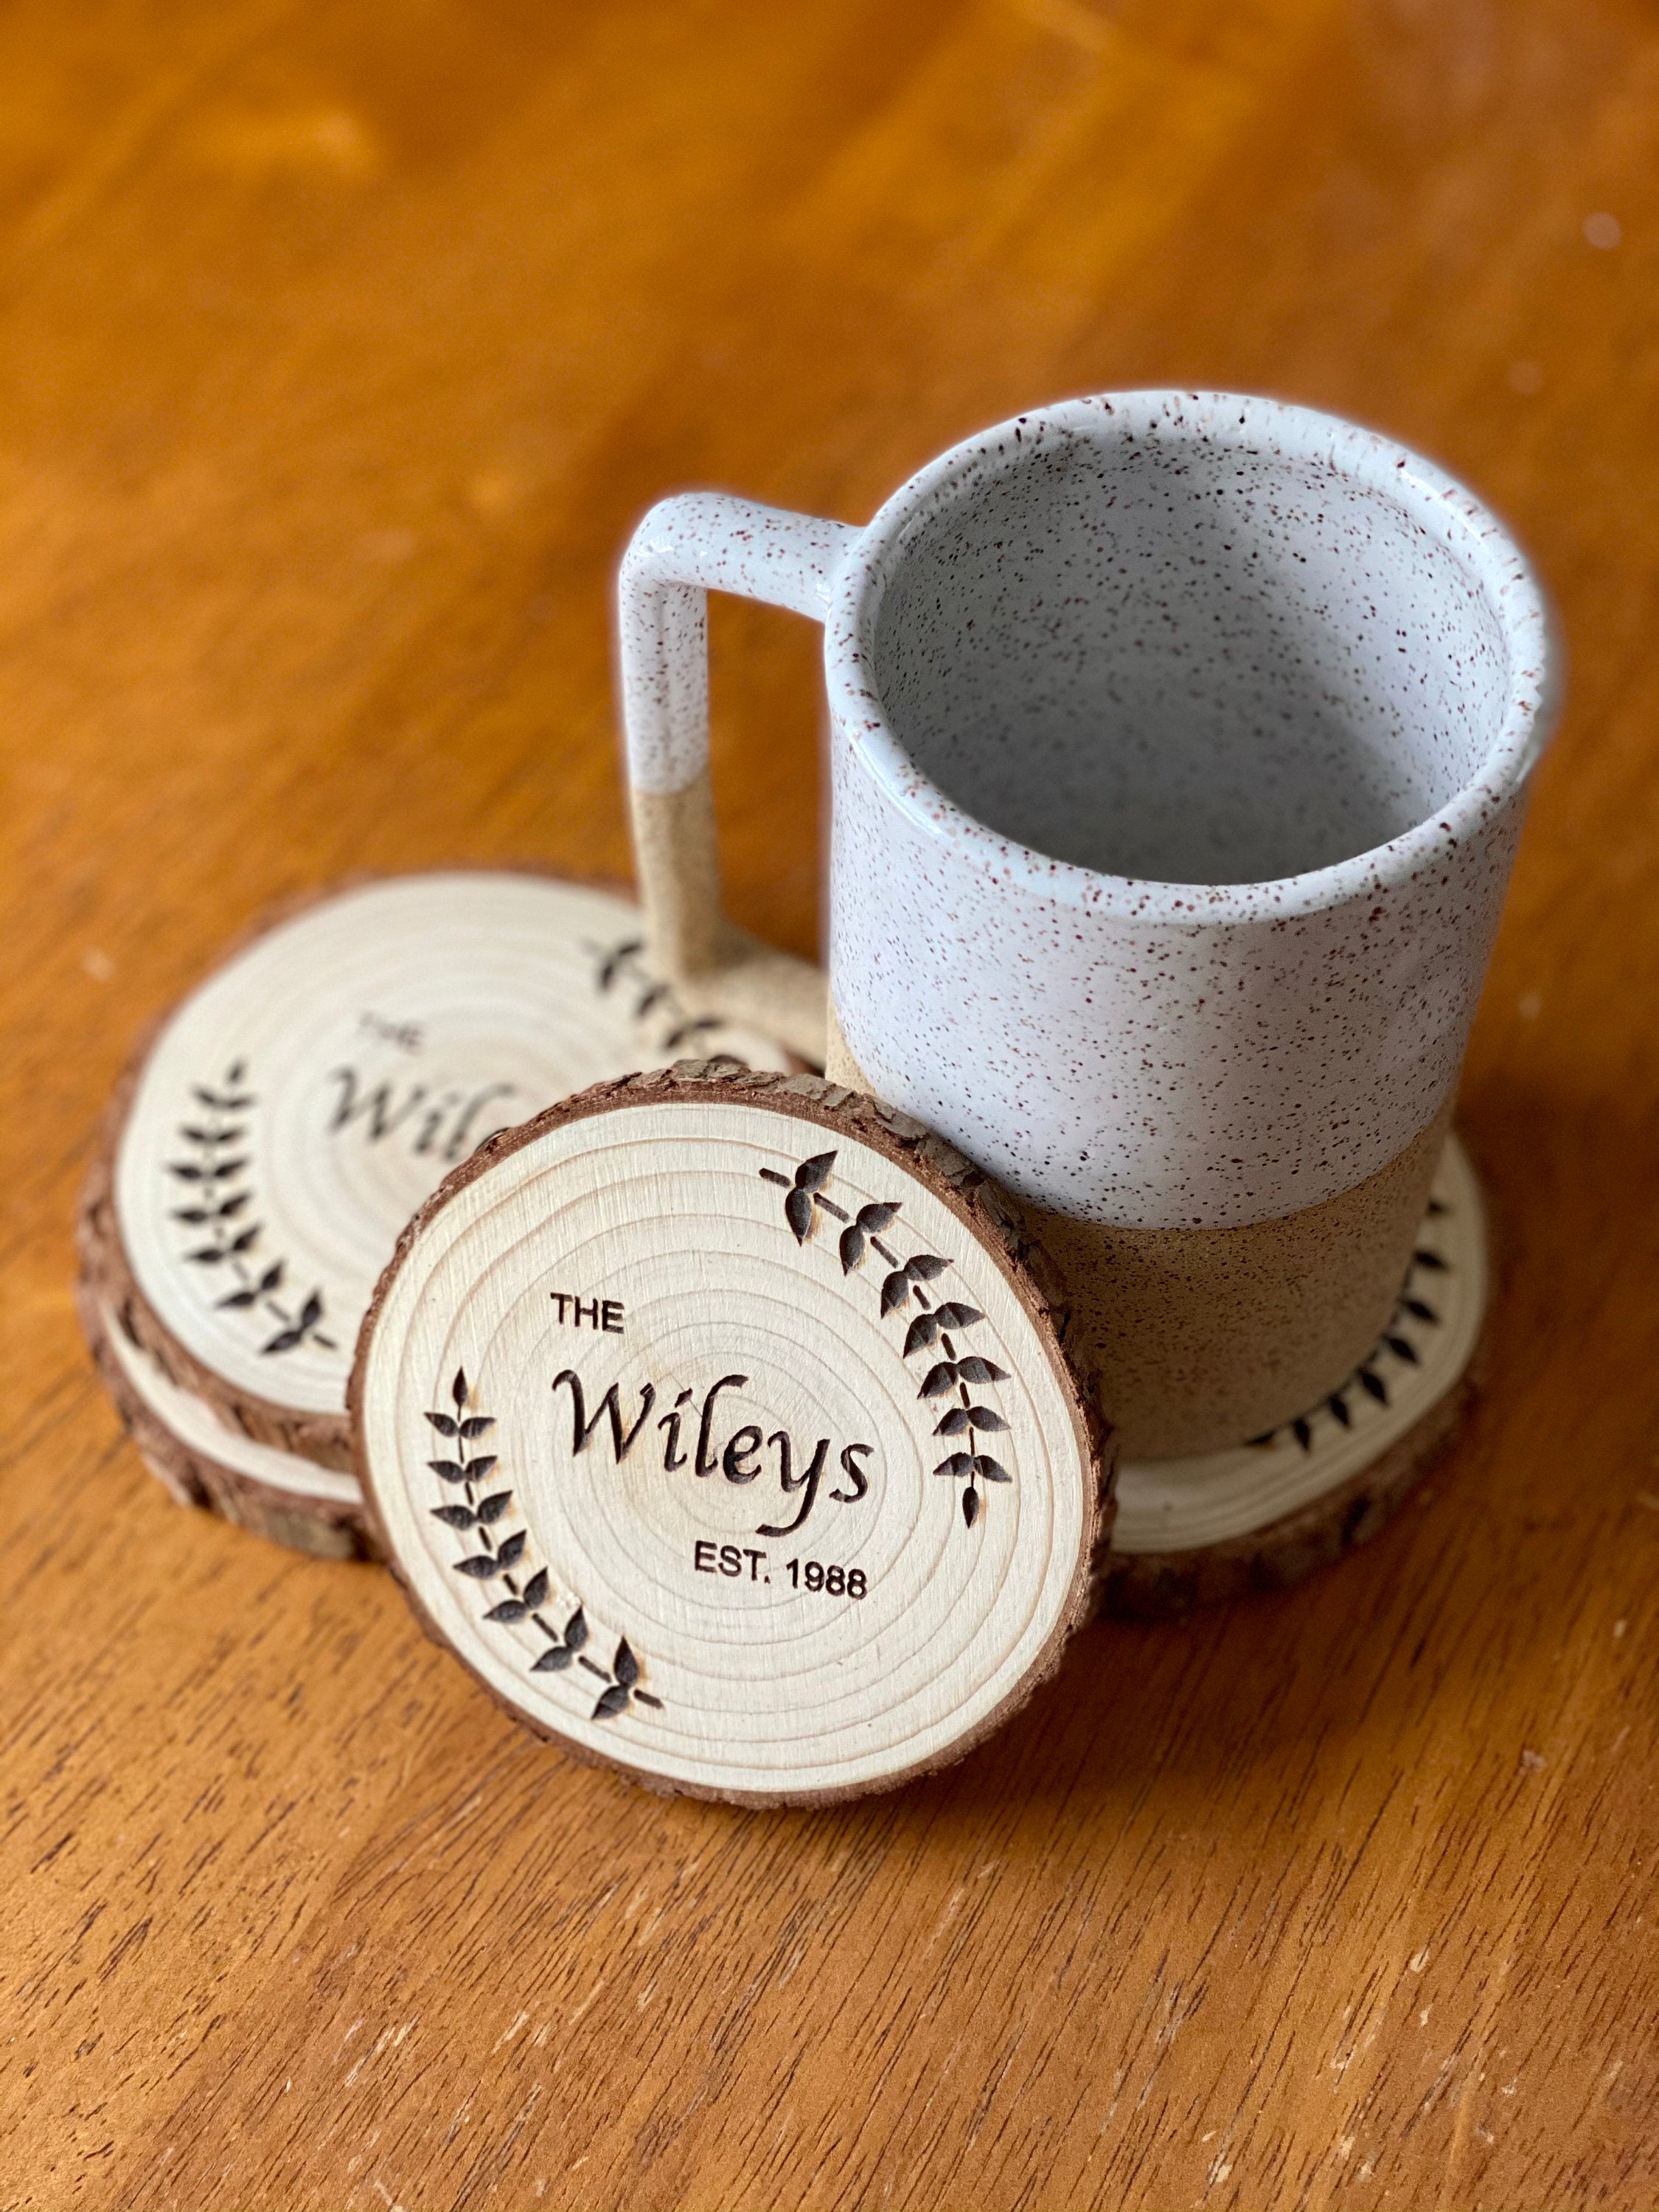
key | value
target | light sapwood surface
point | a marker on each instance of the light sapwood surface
(854, 1649)
(339, 349)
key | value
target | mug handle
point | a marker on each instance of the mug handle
(685, 549)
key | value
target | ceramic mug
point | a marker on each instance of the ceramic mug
(1180, 746)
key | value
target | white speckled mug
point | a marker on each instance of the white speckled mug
(1180, 748)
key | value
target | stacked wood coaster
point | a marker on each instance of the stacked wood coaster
(721, 1424)
(726, 1424)
(275, 1133)
(1273, 1509)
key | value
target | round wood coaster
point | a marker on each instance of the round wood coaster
(721, 1424)
(1263, 1515)
(278, 1129)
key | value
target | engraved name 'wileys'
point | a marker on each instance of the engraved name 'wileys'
(445, 1125)
(740, 1455)
(497, 1552)
(932, 1325)
(222, 1235)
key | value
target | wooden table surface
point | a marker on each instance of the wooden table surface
(338, 348)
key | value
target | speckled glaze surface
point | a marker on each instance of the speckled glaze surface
(1180, 748)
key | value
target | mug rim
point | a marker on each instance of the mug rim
(1458, 520)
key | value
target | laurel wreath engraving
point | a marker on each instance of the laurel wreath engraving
(221, 1197)
(500, 1557)
(1391, 1344)
(932, 1326)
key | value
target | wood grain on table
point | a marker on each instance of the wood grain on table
(338, 349)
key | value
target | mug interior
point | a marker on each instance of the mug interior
(1170, 656)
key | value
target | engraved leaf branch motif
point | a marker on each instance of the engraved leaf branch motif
(215, 1166)
(934, 1326)
(621, 968)
(475, 1514)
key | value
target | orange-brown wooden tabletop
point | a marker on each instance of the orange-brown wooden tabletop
(339, 347)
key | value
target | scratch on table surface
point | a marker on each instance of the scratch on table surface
(948, 1912)
(791, 1963)
(942, 2074)
(1341, 2060)
(388, 2037)
(1111, 2109)
(1442, 2082)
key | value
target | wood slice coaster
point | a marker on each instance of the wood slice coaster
(1265, 1514)
(276, 1132)
(721, 1423)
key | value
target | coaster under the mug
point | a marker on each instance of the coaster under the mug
(720, 1423)
(276, 1131)
(1267, 1512)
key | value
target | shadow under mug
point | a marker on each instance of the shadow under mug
(1180, 745)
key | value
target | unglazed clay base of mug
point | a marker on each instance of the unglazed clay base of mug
(278, 1129)
(720, 1425)
(1203, 1336)
(1206, 1335)
(1381, 1394)
(1266, 1513)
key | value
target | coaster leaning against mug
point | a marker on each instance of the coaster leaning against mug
(274, 1133)
(721, 1423)
(1179, 750)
